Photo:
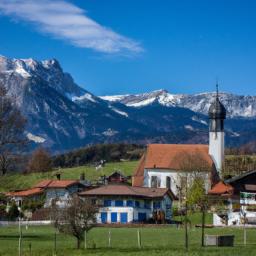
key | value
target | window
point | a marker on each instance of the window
(168, 182)
(154, 182)
(60, 193)
(157, 205)
(147, 204)
(137, 204)
(129, 203)
(119, 203)
(107, 203)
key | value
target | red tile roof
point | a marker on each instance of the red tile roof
(221, 188)
(43, 184)
(138, 178)
(169, 156)
(24, 193)
(125, 190)
(56, 183)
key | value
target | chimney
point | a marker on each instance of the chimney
(82, 176)
(58, 176)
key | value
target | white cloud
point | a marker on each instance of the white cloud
(66, 21)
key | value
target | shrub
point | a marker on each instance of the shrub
(13, 212)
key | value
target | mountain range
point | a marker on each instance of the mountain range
(62, 115)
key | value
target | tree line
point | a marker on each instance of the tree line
(95, 153)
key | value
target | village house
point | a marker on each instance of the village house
(239, 196)
(59, 190)
(49, 190)
(120, 203)
(29, 194)
(115, 177)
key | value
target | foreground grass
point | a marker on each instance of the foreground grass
(20, 181)
(196, 218)
(155, 241)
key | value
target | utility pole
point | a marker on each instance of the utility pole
(20, 237)
(55, 242)
(109, 238)
(244, 229)
(203, 224)
(85, 239)
(186, 213)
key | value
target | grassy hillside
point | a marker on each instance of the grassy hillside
(20, 181)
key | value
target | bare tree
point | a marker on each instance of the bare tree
(76, 218)
(195, 174)
(40, 161)
(12, 125)
(195, 170)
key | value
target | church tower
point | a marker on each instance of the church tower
(217, 115)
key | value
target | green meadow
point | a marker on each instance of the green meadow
(154, 241)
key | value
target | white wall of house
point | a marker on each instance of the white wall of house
(61, 194)
(109, 210)
(133, 212)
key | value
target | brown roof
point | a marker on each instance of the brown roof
(169, 156)
(24, 193)
(125, 190)
(221, 188)
(56, 183)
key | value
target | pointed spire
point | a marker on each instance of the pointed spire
(217, 89)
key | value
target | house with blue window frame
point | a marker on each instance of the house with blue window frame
(59, 190)
(125, 204)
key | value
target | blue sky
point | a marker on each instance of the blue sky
(134, 46)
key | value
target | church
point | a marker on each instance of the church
(169, 165)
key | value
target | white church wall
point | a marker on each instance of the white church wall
(161, 174)
(175, 176)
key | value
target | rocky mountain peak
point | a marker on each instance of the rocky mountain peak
(61, 115)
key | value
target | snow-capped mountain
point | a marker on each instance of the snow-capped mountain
(236, 105)
(61, 115)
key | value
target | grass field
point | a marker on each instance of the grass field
(155, 241)
(20, 181)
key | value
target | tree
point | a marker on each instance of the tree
(196, 194)
(40, 161)
(12, 125)
(76, 218)
(195, 169)
(13, 212)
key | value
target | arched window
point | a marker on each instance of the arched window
(168, 182)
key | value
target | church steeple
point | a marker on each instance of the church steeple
(217, 115)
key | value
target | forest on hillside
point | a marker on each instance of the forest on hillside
(96, 153)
